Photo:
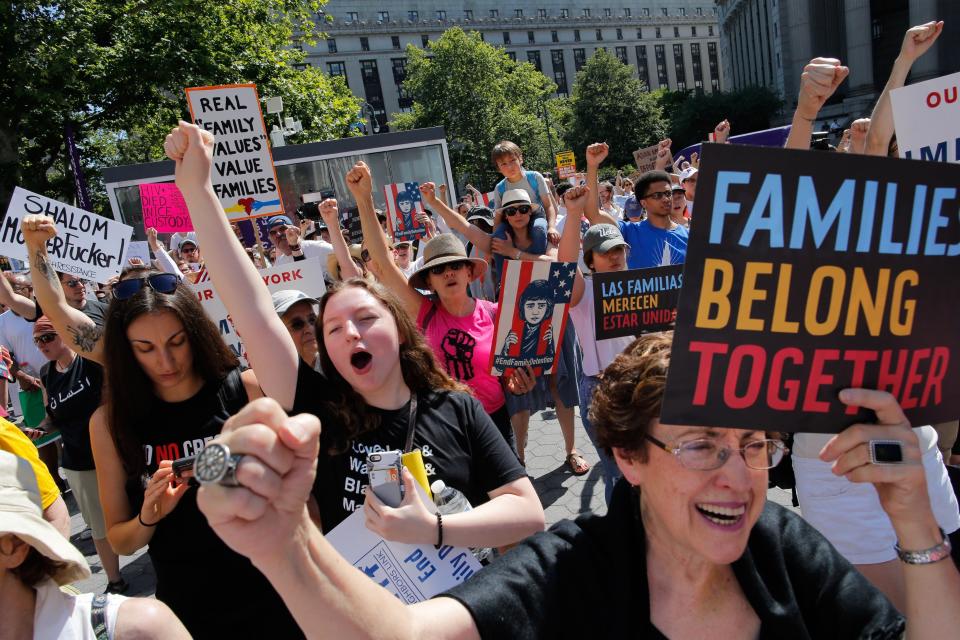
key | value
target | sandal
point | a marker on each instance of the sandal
(577, 464)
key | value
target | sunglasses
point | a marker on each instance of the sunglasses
(159, 282)
(190, 249)
(440, 269)
(521, 209)
(45, 338)
(277, 231)
(365, 255)
(658, 195)
(299, 324)
(73, 283)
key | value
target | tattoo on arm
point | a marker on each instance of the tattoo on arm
(85, 337)
(42, 262)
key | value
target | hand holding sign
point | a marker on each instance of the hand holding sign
(359, 181)
(819, 80)
(918, 40)
(191, 148)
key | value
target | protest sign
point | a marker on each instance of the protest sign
(411, 572)
(926, 116)
(807, 273)
(403, 204)
(645, 158)
(350, 222)
(566, 165)
(138, 249)
(629, 303)
(532, 315)
(163, 208)
(86, 245)
(305, 276)
(243, 175)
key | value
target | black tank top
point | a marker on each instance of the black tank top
(215, 592)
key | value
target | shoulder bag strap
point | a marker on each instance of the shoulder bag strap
(98, 616)
(411, 424)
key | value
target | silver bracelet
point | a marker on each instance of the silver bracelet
(935, 553)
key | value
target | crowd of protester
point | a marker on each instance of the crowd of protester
(396, 355)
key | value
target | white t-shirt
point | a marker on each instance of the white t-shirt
(561, 223)
(16, 334)
(67, 617)
(597, 354)
(311, 249)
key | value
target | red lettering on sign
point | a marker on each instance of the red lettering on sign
(859, 358)
(792, 387)
(758, 360)
(818, 379)
(708, 349)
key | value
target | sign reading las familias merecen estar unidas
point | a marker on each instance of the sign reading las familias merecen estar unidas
(809, 272)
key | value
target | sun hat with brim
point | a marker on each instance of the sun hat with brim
(355, 250)
(444, 249)
(514, 197)
(283, 300)
(21, 515)
(602, 238)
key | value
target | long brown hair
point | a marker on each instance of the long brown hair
(128, 388)
(418, 365)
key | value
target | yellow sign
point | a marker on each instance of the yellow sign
(566, 164)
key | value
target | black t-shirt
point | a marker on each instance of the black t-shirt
(797, 583)
(458, 440)
(72, 397)
(93, 309)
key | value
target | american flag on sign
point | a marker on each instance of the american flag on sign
(486, 199)
(531, 315)
(403, 204)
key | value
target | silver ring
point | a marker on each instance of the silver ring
(886, 452)
(216, 465)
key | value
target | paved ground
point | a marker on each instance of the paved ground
(563, 494)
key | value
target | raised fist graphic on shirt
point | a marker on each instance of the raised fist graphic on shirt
(457, 349)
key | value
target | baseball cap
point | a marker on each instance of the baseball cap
(688, 173)
(482, 214)
(632, 208)
(187, 241)
(283, 300)
(602, 238)
(276, 221)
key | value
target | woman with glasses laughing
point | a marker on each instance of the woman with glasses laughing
(171, 383)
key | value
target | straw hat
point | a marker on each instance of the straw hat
(333, 265)
(443, 249)
(22, 516)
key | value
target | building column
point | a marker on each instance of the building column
(927, 66)
(859, 46)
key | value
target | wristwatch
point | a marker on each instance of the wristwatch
(216, 465)
(519, 253)
(935, 553)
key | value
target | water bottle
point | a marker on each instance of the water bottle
(450, 501)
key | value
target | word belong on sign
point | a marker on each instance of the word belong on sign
(799, 286)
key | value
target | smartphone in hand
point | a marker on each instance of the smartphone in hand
(385, 473)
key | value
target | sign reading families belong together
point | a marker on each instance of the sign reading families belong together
(86, 245)
(808, 273)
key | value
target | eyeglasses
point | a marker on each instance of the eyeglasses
(365, 255)
(299, 324)
(521, 209)
(706, 455)
(44, 338)
(440, 269)
(159, 282)
(277, 231)
(190, 249)
(659, 195)
(73, 282)
(20, 288)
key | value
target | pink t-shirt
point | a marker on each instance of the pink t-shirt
(462, 346)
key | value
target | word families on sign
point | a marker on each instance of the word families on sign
(86, 245)
(811, 272)
(629, 303)
(164, 208)
(243, 176)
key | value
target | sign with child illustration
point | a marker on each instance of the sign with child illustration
(532, 315)
(807, 273)
(404, 203)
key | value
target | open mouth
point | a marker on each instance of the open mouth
(722, 516)
(360, 361)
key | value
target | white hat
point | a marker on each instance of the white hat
(517, 196)
(688, 173)
(21, 514)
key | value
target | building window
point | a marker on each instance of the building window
(626, 12)
(395, 41)
(554, 36)
(337, 69)
(664, 12)
(364, 44)
(399, 75)
(676, 32)
(468, 14)
(373, 90)
(607, 13)
(494, 13)
(639, 34)
(518, 13)
(531, 37)
(564, 13)
(559, 74)
(693, 31)
(661, 54)
(714, 66)
(533, 57)
(682, 12)
(512, 55)
(413, 16)
(506, 37)
(622, 54)
(331, 45)
(352, 16)
(646, 12)
(619, 33)
(383, 16)
(599, 34)
(679, 67)
(441, 14)
(642, 71)
(576, 35)
(697, 65)
(710, 30)
(579, 58)
(714, 10)
(699, 11)
(541, 13)
(424, 40)
(657, 32)
(586, 12)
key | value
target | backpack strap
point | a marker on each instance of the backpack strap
(427, 317)
(534, 184)
(232, 393)
(98, 616)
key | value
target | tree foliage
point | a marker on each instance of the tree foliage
(116, 70)
(692, 116)
(480, 96)
(609, 105)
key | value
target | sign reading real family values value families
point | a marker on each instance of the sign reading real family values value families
(163, 208)
(86, 245)
(243, 174)
(810, 272)
(629, 303)
(927, 119)
(411, 572)
(305, 276)
(531, 316)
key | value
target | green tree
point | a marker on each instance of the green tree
(610, 105)
(479, 96)
(116, 70)
(693, 117)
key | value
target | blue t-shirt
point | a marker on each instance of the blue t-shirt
(653, 247)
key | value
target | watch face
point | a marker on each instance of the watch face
(211, 463)
(887, 451)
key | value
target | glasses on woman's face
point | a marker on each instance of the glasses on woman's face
(440, 269)
(299, 324)
(45, 338)
(159, 282)
(706, 455)
(658, 195)
(522, 209)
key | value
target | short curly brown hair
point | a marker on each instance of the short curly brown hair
(630, 394)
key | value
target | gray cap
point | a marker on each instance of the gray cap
(283, 300)
(603, 238)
